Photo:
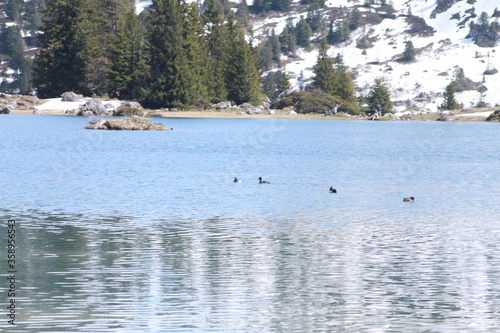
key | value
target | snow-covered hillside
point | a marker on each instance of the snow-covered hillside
(418, 84)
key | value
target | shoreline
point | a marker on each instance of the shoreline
(478, 116)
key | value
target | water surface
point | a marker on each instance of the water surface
(146, 232)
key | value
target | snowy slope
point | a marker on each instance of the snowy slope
(437, 55)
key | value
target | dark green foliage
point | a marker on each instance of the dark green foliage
(339, 32)
(13, 46)
(409, 52)
(324, 72)
(60, 65)
(308, 101)
(101, 19)
(128, 68)
(242, 76)
(217, 40)
(169, 65)
(379, 95)
(332, 77)
(484, 33)
(266, 55)
(303, 33)
(356, 19)
(321, 3)
(314, 16)
(288, 40)
(243, 13)
(275, 45)
(450, 102)
(12, 10)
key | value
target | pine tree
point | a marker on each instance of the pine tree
(12, 10)
(242, 76)
(314, 17)
(324, 72)
(60, 65)
(102, 18)
(303, 33)
(169, 64)
(409, 52)
(266, 55)
(379, 95)
(243, 12)
(449, 102)
(128, 68)
(275, 45)
(218, 49)
(284, 81)
(197, 56)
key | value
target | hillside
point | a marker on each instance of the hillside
(445, 45)
(440, 43)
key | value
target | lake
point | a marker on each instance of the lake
(121, 231)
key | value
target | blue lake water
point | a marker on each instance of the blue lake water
(122, 231)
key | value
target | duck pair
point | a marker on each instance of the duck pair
(236, 180)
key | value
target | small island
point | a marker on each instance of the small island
(132, 123)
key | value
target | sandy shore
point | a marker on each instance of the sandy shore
(57, 107)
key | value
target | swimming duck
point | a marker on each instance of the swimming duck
(410, 199)
(236, 180)
(263, 181)
(332, 190)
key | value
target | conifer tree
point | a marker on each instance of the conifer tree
(102, 18)
(197, 56)
(275, 45)
(266, 55)
(218, 50)
(450, 102)
(12, 10)
(60, 65)
(284, 82)
(303, 33)
(168, 60)
(243, 12)
(379, 95)
(324, 72)
(314, 16)
(242, 76)
(409, 52)
(128, 68)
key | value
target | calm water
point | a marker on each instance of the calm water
(146, 232)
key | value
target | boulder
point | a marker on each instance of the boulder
(71, 97)
(495, 116)
(222, 105)
(92, 107)
(133, 123)
(6, 109)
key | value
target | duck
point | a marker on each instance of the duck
(263, 181)
(236, 180)
(410, 199)
(332, 190)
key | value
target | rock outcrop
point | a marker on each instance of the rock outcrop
(71, 97)
(133, 123)
(495, 116)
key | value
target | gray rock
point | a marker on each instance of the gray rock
(71, 97)
(222, 105)
(272, 112)
(292, 112)
(6, 109)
